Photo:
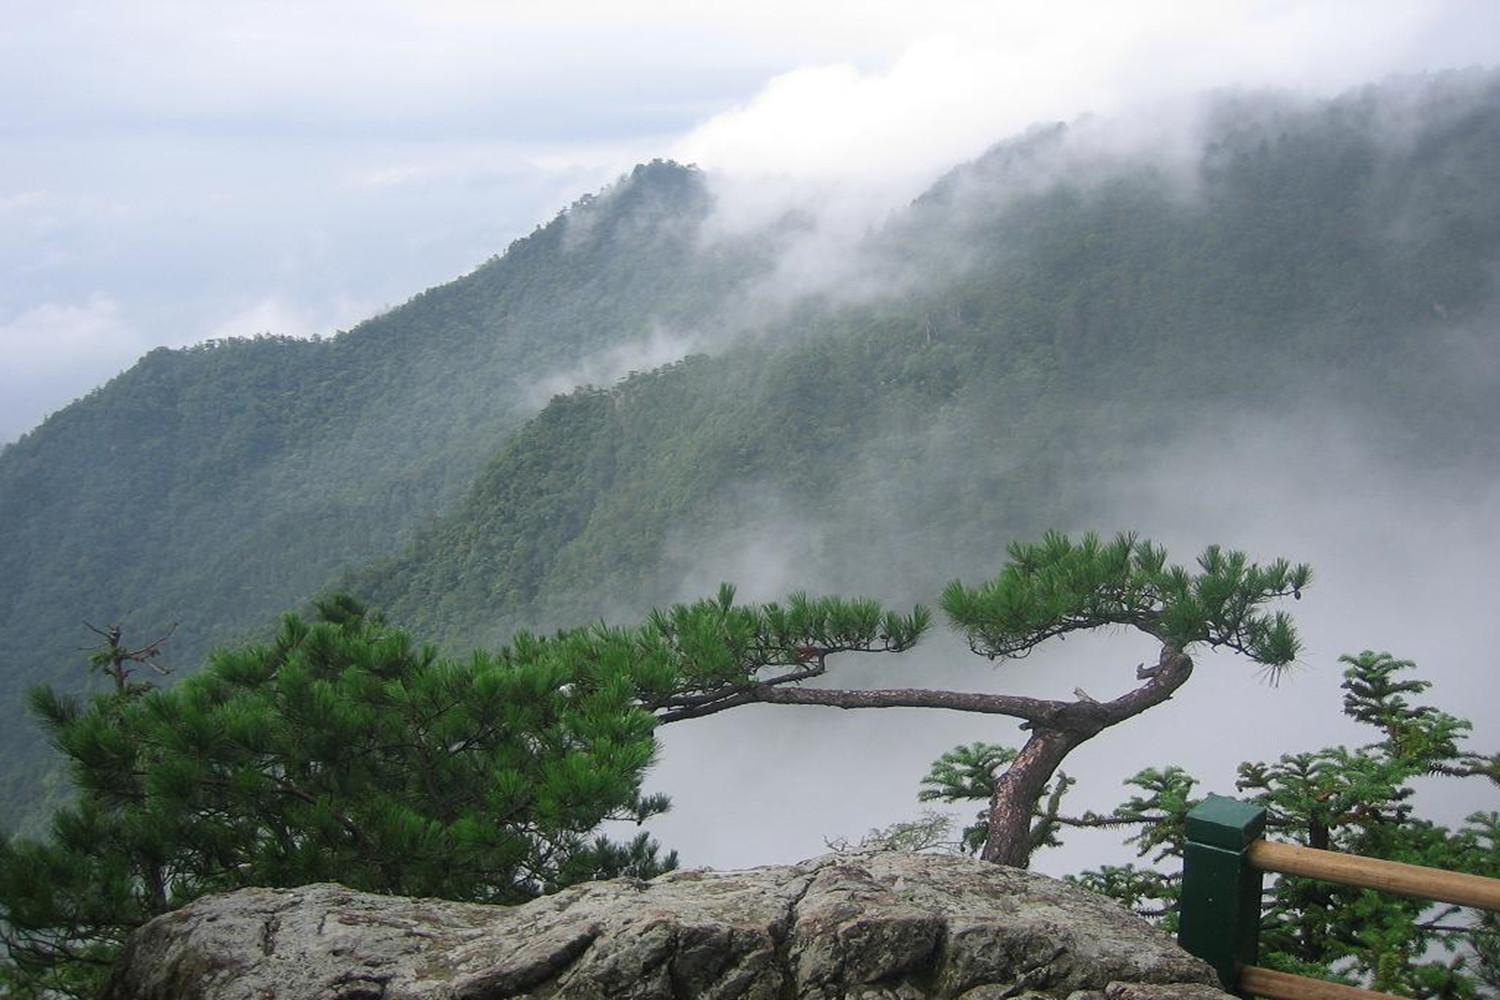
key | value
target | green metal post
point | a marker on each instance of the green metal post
(1220, 919)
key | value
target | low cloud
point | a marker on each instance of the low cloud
(604, 368)
(841, 144)
(1402, 562)
(977, 73)
(404, 142)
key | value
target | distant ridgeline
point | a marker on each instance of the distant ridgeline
(1045, 315)
(220, 485)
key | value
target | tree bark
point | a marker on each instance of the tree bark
(1033, 710)
(1056, 728)
(1008, 841)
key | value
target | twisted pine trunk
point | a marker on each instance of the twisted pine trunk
(1013, 802)
(1056, 728)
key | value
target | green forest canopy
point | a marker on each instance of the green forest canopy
(1066, 326)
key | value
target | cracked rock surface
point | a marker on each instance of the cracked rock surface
(870, 926)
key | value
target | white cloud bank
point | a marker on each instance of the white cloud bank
(861, 140)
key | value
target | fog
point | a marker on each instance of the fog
(176, 173)
(333, 186)
(1399, 566)
(605, 367)
(1402, 553)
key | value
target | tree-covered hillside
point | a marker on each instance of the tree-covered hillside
(1021, 335)
(1058, 316)
(216, 485)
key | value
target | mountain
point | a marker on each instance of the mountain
(984, 366)
(218, 485)
(1061, 314)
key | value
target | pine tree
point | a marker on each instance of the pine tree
(735, 656)
(340, 751)
(343, 751)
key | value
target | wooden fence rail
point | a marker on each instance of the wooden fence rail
(1222, 879)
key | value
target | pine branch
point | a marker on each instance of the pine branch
(1034, 710)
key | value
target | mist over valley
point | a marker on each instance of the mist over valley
(1273, 331)
(1214, 313)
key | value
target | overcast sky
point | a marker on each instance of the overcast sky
(174, 171)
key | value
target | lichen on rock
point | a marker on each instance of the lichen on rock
(872, 926)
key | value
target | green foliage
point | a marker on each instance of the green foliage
(1084, 324)
(339, 751)
(965, 772)
(1052, 328)
(713, 643)
(1353, 801)
(343, 751)
(715, 655)
(1056, 586)
(294, 461)
(968, 773)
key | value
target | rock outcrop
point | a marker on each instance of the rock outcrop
(858, 926)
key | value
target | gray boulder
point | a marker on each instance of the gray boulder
(871, 926)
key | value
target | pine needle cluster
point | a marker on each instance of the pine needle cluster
(340, 751)
(1056, 586)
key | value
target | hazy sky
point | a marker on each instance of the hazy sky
(1400, 565)
(174, 171)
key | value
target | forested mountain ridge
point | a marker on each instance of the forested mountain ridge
(1056, 325)
(1050, 314)
(217, 485)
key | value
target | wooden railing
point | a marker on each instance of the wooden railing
(1222, 877)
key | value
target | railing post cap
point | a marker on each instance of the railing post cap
(1226, 823)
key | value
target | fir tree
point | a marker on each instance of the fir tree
(1355, 801)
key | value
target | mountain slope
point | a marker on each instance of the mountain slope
(217, 485)
(1055, 324)
(1049, 315)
